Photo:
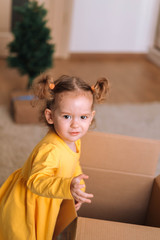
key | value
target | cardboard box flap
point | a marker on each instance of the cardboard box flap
(66, 215)
(92, 229)
(153, 216)
(117, 196)
(120, 153)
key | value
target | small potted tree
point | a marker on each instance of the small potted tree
(31, 53)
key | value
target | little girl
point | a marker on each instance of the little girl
(32, 197)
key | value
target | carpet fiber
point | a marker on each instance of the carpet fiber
(17, 141)
(139, 120)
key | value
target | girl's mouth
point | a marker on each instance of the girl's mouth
(74, 133)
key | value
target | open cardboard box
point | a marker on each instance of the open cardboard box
(121, 173)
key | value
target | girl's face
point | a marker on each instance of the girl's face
(72, 116)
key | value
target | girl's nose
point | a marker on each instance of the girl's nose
(74, 123)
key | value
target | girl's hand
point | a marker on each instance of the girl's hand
(76, 191)
(78, 205)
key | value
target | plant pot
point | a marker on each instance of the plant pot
(22, 108)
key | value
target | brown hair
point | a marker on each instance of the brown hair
(43, 90)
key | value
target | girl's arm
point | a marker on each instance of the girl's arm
(50, 186)
(43, 180)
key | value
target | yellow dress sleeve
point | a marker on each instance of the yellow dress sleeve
(43, 180)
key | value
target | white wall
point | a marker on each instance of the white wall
(113, 25)
(5, 22)
(5, 15)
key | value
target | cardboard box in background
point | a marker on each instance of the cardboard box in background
(121, 173)
(22, 108)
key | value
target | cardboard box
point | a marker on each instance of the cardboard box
(93, 229)
(22, 108)
(121, 173)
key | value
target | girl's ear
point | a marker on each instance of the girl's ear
(93, 114)
(48, 116)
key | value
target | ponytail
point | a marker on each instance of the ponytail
(41, 87)
(100, 90)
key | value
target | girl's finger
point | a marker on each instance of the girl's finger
(83, 176)
(78, 198)
(81, 186)
(80, 193)
(83, 198)
(78, 204)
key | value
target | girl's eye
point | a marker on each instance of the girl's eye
(67, 116)
(83, 117)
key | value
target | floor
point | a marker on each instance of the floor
(131, 80)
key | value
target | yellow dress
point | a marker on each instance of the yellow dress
(31, 198)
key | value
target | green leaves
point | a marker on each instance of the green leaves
(30, 51)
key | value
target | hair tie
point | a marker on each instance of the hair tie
(93, 88)
(51, 86)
